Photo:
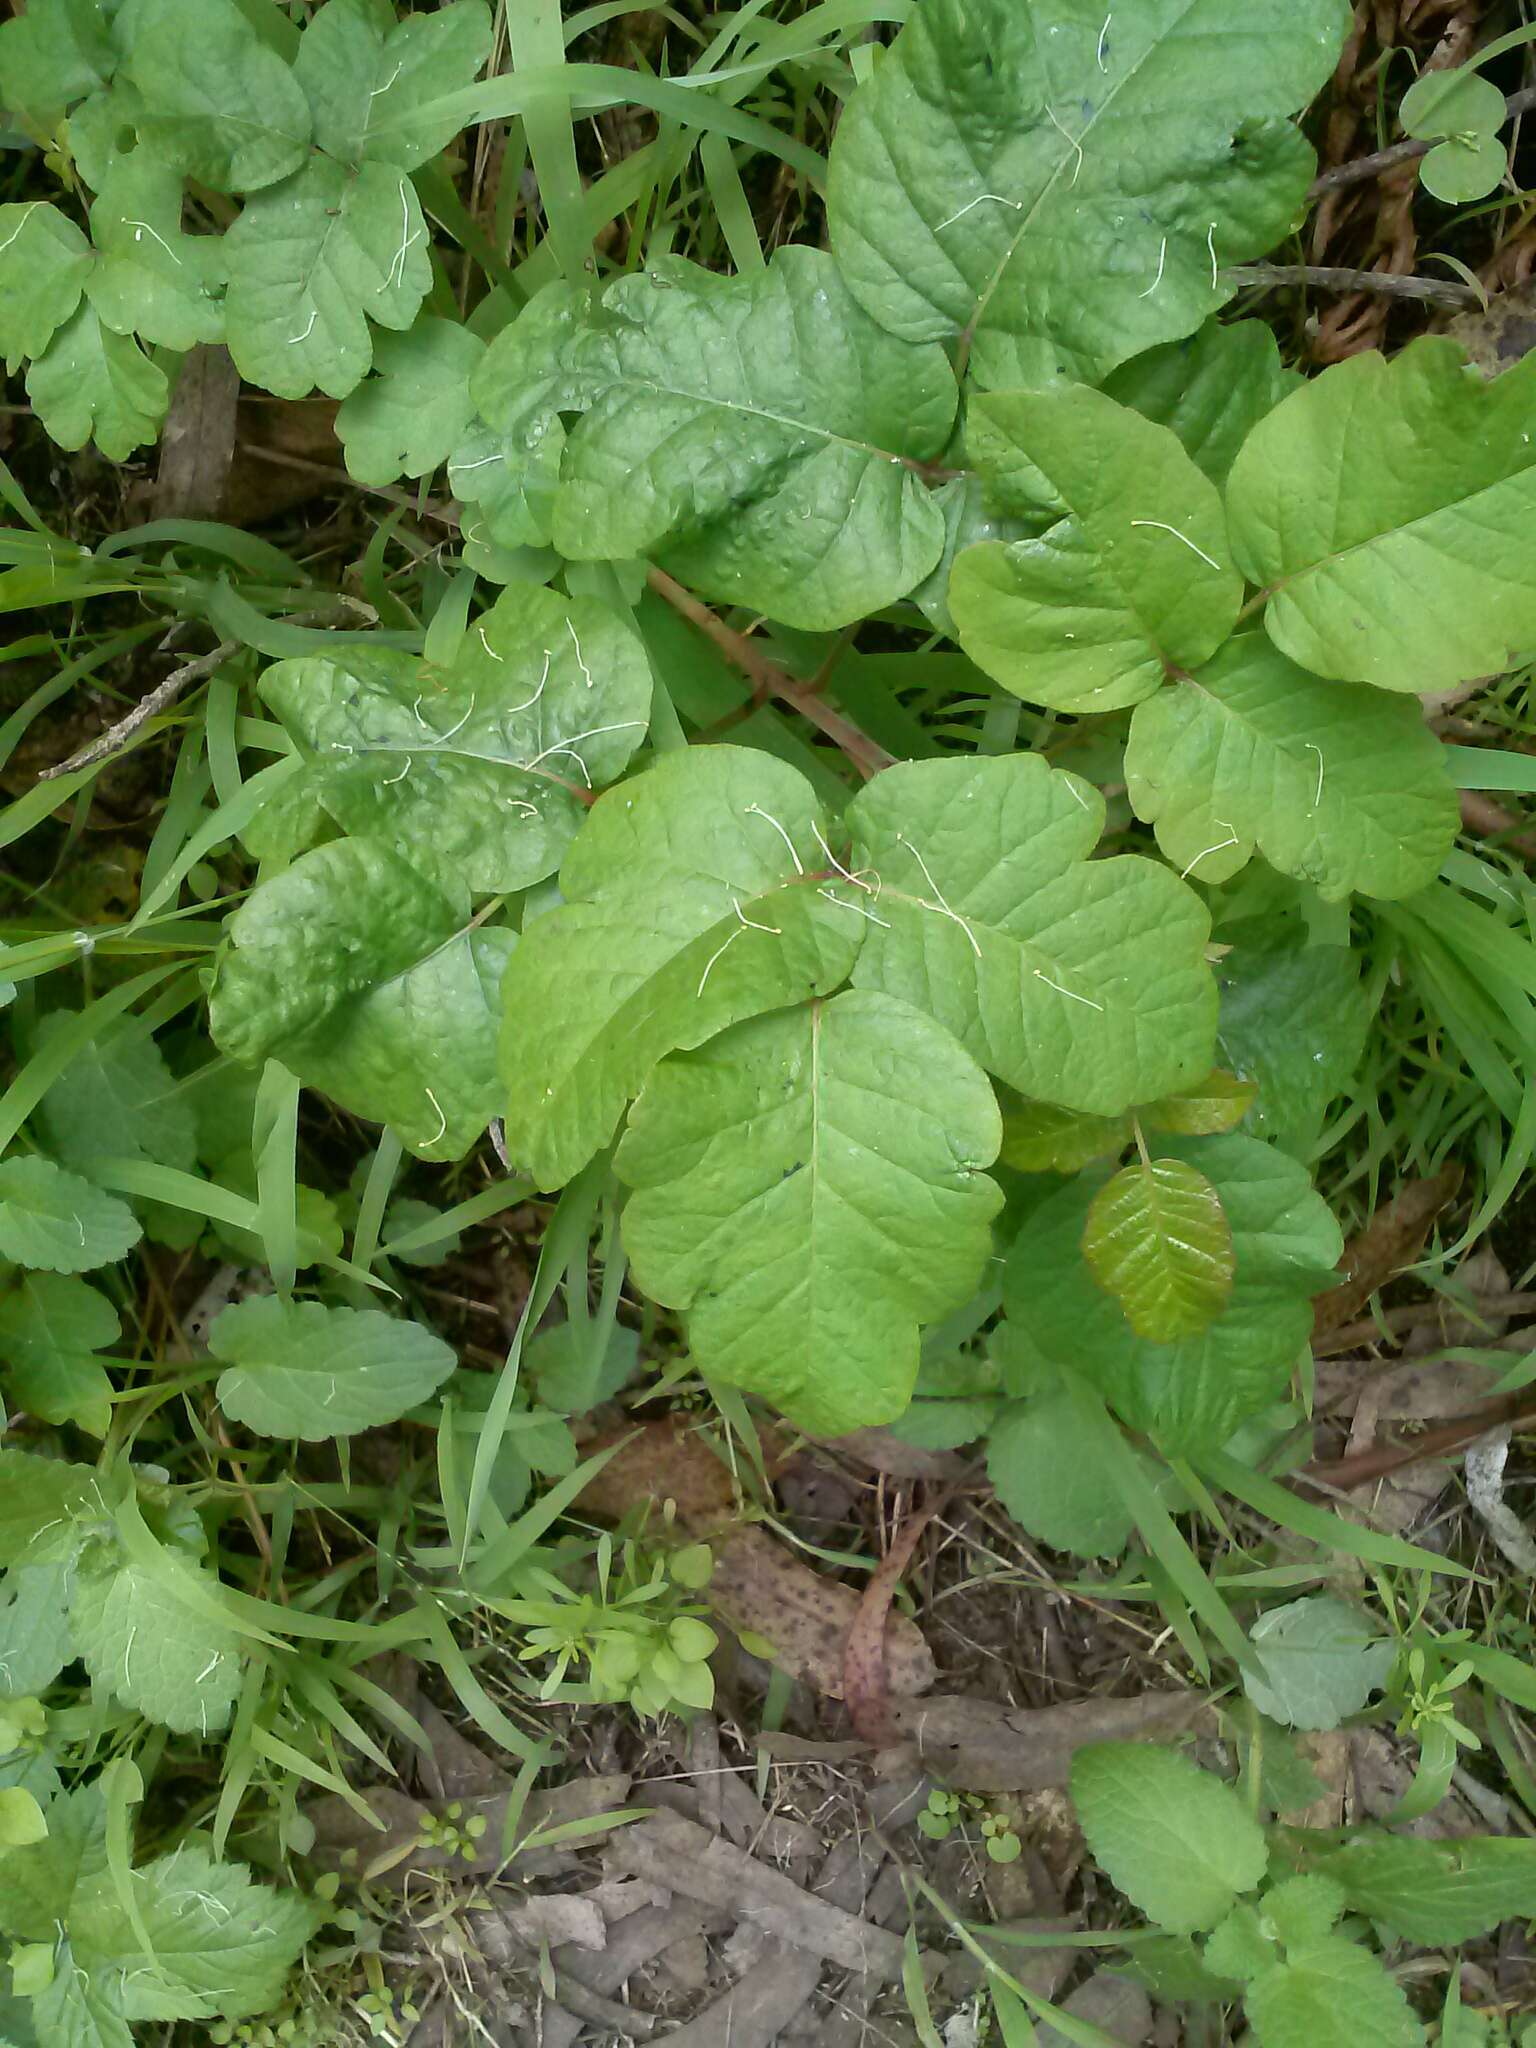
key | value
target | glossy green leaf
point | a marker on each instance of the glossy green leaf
(1438, 1893)
(50, 1324)
(760, 435)
(369, 983)
(1190, 1394)
(1058, 191)
(311, 262)
(1216, 1104)
(300, 1369)
(969, 519)
(1293, 1018)
(371, 81)
(1212, 389)
(1040, 1137)
(1177, 1841)
(508, 490)
(690, 904)
(1408, 571)
(1135, 578)
(116, 1099)
(1156, 1238)
(1331, 1993)
(1036, 1465)
(92, 384)
(1320, 1661)
(58, 1221)
(53, 54)
(414, 411)
(478, 772)
(44, 262)
(150, 278)
(1079, 982)
(146, 1636)
(808, 1211)
(1333, 783)
(219, 103)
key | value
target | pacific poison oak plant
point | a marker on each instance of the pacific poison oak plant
(862, 1059)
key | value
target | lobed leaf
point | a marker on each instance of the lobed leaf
(44, 262)
(150, 279)
(219, 103)
(477, 773)
(92, 384)
(414, 411)
(1406, 569)
(371, 81)
(1331, 782)
(806, 1208)
(1058, 192)
(1079, 982)
(1134, 580)
(52, 55)
(692, 902)
(368, 981)
(759, 435)
(311, 262)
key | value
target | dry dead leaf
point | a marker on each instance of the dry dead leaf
(1391, 1241)
(559, 1918)
(980, 1746)
(761, 1587)
(198, 444)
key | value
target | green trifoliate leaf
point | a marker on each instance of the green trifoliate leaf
(1135, 579)
(44, 262)
(1456, 102)
(1079, 982)
(299, 1369)
(55, 1220)
(508, 491)
(35, 1643)
(1320, 1660)
(1177, 1841)
(37, 1495)
(479, 772)
(151, 279)
(1439, 512)
(1190, 1394)
(50, 1323)
(416, 408)
(808, 1210)
(53, 54)
(371, 82)
(1040, 1137)
(117, 1099)
(1035, 1462)
(1438, 1893)
(219, 103)
(148, 1633)
(1332, 782)
(1294, 1019)
(1331, 1993)
(690, 904)
(94, 384)
(760, 434)
(1464, 168)
(1059, 190)
(1156, 1238)
(311, 262)
(1212, 389)
(369, 983)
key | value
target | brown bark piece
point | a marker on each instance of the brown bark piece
(1391, 1240)
(198, 444)
(979, 1746)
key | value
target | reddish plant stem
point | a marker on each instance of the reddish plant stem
(1360, 1467)
(768, 679)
